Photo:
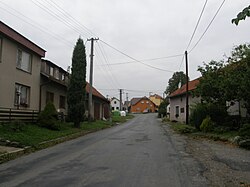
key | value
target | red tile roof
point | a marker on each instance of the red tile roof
(14, 35)
(95, 92)
(191, 86)
(134, 101)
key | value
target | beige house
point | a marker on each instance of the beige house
(156, 99)
(20, 62)
(53, 86)
(28, 82)
(178, 101)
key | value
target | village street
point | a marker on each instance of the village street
(141, 152)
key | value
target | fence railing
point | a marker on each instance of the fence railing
(11, 114)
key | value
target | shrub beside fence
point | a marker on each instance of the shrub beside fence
(11, 114)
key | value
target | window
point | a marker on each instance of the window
(49, 97)
(1, 44)
(113, 108)
(117, 108)
(142, 102)
(182, 110)
(177, 111)
(114, 102)
(57, 73)
(62, 102)
(22, 95)
(147, 102)
(62, 76)
(51, 71)
(23, 60)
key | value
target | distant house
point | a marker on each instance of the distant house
(177, 101)
(127, 106)
(156, 99)
(20, 63)
(115, 104)
(142, 105)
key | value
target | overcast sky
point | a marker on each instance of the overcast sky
(142, 29)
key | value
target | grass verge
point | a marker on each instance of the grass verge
(191, 131)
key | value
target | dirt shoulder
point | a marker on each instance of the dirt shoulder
(223, 164)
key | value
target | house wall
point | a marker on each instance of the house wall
(9, 75)
(237, 109)
(181, 102)
(55, 88)
(100, 108)
(115, 103)
(155, 100)
(142, 105)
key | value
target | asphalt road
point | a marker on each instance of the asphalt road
(138, 153)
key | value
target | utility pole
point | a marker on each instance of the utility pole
(127, 97)
(120, 99)
(187, 104)
(90, 113)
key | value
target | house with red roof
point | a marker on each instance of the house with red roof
(28, 82)
(177, 101)
(142, 105)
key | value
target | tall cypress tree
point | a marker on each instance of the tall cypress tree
(77, 84)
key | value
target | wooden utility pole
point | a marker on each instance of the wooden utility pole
(187, 104)
(120, 99)
(90, 113)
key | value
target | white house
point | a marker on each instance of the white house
(115, 103)
(178, 101)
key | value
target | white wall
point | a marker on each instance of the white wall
(181, 102)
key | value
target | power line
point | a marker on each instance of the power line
(39, 27)
(56, 16)
(77, 30)
(197, 24)
(70, 17)
(182, 60)
(146, 60)
(208, 26)
(108, 67)
(134, 58)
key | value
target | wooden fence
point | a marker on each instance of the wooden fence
(11, 114)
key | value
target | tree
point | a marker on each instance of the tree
(242, 15)
(77, 84)
(174, 81)
(162, 110)
(227, 80)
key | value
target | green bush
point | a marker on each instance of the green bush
(217, 113)
(198, 114)
(245, 131)
(200, 111)
(207, 125)
(48, 117)
(162, 110)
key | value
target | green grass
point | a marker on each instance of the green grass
(31, 135)
(182, 128)
(214, 135)
(121, 119)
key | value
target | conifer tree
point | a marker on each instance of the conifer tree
(77, 84)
